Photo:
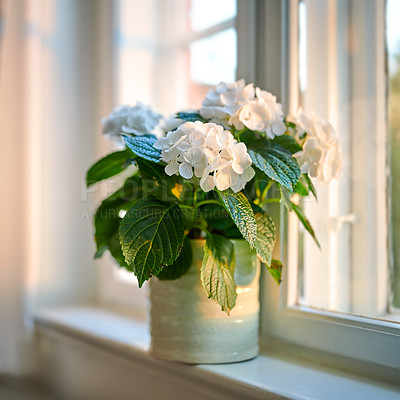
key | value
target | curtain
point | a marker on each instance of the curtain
(49, 122)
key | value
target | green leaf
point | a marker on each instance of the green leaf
(276, 162)
(301, 189)
(143, 146)
(158, 183)
(290, 124)
(242, 214)
(310, 185)
(108, 166)
(151, 236)
(114, 246)
(275, 269)
(217, 271)
(285, 198)
(191, 117)
(180, 266)
(107, 219)
(305, 222)
(265, 237)
(287, 142)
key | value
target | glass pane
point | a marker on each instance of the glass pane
(157, 61)
(206, 13)
(342, 77)
(213, 59)
(393, 47)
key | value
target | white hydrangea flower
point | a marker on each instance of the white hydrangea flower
(263, 114)
(223, 102)
(138, 120)
(232, 169)
(321, 156)
(112, 125)
(208, 152)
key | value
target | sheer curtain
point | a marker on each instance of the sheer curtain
(51, 60)
(13, 188)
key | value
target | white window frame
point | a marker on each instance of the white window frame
(365, 342)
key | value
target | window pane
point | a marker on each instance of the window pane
(214, 58)
(342, 78)
(160, 62)
(206, 13)
(393, 43)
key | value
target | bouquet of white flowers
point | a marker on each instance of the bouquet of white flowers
(212, 175)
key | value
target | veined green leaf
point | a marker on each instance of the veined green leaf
(108, 166)
(276, 162)
(191, 117)
(242, 214)
(180, 266)
(217, 271)
(151, 236)
(305, 222)
(114, 246)
(265, 237)
(287, 142)
(143, 146)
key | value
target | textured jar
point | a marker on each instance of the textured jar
(189, 327)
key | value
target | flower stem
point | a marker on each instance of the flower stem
(194, 196)
(265, 191)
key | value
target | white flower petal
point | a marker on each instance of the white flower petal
(170, 154)
(223, 180)
(278, 127)
(186, 171)
(172, 168)
(183, 146)
(237, 168)
(207, 183)
(162, 144)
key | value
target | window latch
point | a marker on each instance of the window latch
(336, 223)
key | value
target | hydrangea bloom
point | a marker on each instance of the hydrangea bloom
(137, 120)
(321, 156)
(223, 102)
(263, 114)
(240, 105)
(209, 153)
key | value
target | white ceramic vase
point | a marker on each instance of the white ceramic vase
(189, 327)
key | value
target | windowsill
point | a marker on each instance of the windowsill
(280, 376)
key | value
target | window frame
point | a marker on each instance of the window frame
(365, 341)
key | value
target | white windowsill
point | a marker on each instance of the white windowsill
(267, 376)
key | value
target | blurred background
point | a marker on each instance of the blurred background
(65, 64)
